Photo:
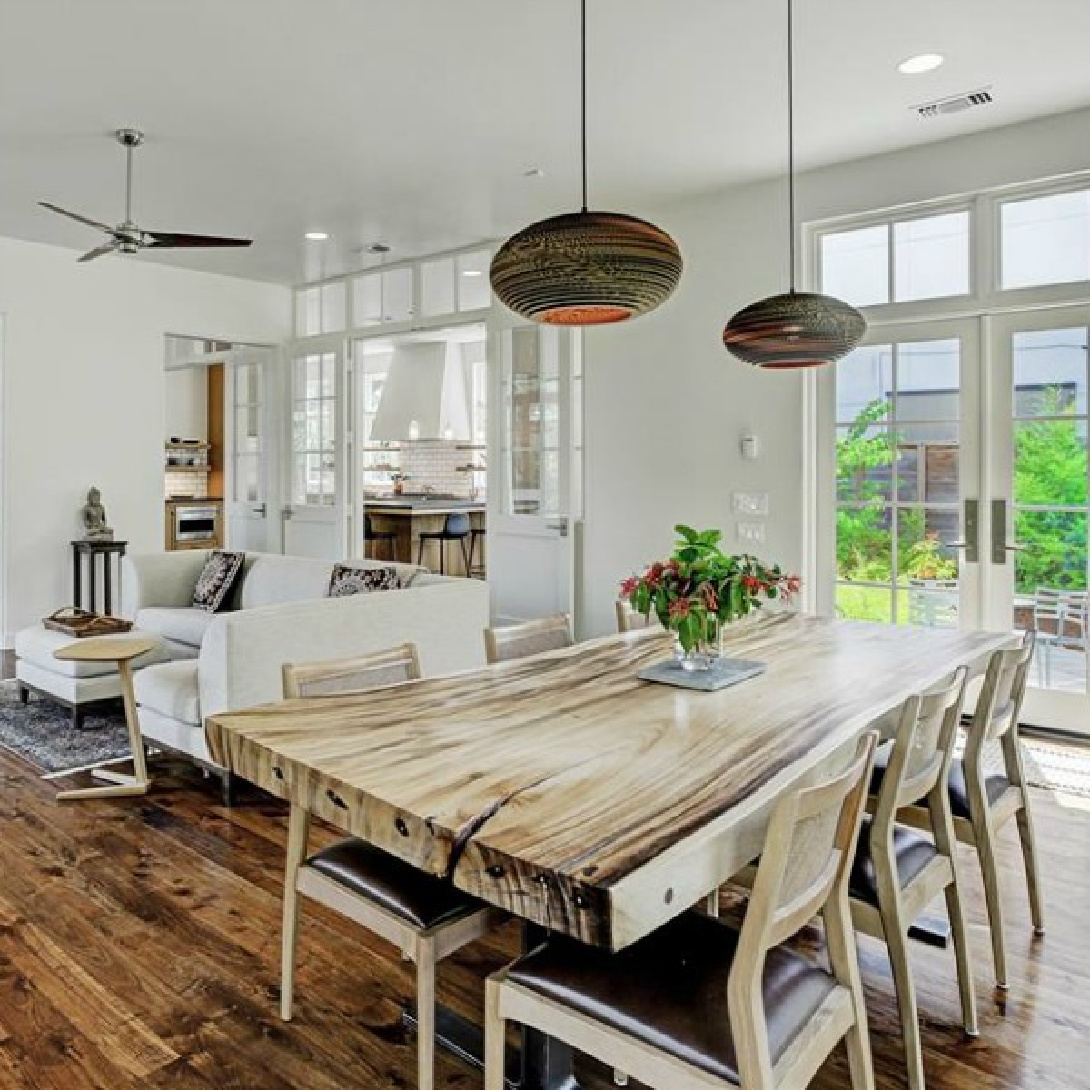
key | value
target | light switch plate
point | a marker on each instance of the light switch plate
(750, 503)
(751, 532)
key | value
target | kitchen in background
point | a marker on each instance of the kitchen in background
(423, 472)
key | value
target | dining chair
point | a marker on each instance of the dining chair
(899, 871)
(426, 917)
(516, 641)
(983, 800)
(631, 620)
(699, 1005)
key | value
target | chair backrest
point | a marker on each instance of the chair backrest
(804, 869)
(343, 677)
(1001, 697)
(1072, 632)
(923, 747)
(456, 525)
(1047, 608)
(630, 620)
(530, 638)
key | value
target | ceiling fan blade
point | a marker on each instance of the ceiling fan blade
(99, 251)
(165, 239)
(76, 216)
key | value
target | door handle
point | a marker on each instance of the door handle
(260, 510)
(1000, 545)
(560, 527)
(971, 544)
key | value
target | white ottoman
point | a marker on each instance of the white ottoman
(73, 684)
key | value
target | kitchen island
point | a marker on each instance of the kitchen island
(409, 516)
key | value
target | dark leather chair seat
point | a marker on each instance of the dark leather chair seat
(418, 898)
(670, 989)
(913, 851)
(994, 784)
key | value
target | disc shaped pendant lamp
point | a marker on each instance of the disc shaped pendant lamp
(586, 267)
(799, 328)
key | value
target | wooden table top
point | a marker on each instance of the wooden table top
(118, 648)
(563, 788)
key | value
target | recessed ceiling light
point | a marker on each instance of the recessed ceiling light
(317, 236)
(472, 272)
(922, 62)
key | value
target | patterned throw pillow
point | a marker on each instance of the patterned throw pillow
(347, 580)
(217, 580)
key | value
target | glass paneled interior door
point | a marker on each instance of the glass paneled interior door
(250, 501)
(1034, 529)
(314, 518)
(907, 477)
(534, 470)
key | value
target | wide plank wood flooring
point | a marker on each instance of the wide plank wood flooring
(139, 947)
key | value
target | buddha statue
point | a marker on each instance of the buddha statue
(94, 518)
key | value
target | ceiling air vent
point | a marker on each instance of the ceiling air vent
(955, 104)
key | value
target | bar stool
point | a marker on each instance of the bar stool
(371, 534)
(475, 533)
(455, 528)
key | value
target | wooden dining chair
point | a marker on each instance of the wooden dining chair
(899, 871)
(426, 917)
(631, 620)
(983, 800)
(699, 1005)
(516, 641)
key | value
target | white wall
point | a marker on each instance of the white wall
(83, 399)
(666, 404)
(185, 393)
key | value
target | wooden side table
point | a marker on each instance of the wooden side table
(92, 548)
(122, 650)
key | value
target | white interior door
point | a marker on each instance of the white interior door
(1034, 531)
(314, 516)
(250, 499)
(534, 470)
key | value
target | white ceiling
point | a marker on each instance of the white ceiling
(413, 121)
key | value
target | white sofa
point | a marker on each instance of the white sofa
(280, 613)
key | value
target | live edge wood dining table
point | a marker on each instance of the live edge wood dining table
(565, 790)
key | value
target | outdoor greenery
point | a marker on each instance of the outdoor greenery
(1050, 469)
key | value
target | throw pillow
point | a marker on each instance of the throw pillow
(347, 580)
(217, 580)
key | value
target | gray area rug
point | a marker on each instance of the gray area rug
(41, 732)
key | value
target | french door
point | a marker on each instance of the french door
(315, 518)
(956, 488)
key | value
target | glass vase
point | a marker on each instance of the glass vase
(705, 652)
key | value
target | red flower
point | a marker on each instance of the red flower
(680, 607)
(628, 587)
(654, 574)
(751, 584)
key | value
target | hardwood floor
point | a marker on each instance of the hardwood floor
(139, 947)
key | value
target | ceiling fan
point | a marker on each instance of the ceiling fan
(127, 237)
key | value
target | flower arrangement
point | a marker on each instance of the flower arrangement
(701, 588)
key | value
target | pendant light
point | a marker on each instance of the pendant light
(586, 268)
(799, 329)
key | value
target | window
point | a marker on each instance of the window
(1045, 240)
(897, 482)
(474, 290)
(249, 406)
(930, 260)
(380, 297)
(320, 309)
(314, 420)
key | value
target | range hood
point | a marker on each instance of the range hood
(424, 396)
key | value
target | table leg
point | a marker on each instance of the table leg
(120, 785)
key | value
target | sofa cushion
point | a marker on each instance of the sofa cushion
(37, 644)
(179, 624)
(217, 580)
(269, 579)
(348, 579)
(171, 690)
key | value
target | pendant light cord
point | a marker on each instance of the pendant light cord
(583, 90)
(790, 138)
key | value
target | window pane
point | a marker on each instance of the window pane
(247, 469)
(923, 560)
(474, 291)
(864, 604)
(928, 381)
(437, 286)
(1050, 372)
(864, 382)
(931, 257)
(397, 295)
(367, 300)
(864, 463)
(308, 312)
(1053, 553)
(864, 544)
(333, 307)
(1050, 463)
(1045, 240)
(855, 265)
